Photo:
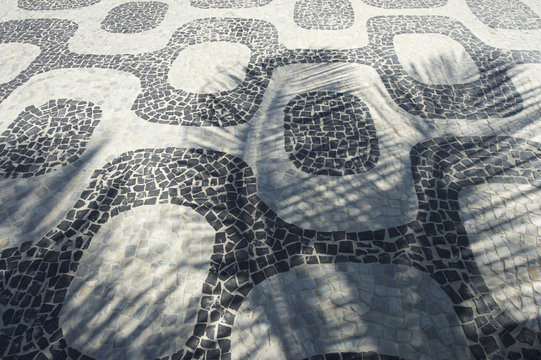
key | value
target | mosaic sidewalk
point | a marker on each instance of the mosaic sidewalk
(270, 179)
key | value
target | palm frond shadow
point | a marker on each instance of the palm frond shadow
(294, 341)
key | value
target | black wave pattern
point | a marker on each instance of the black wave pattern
(35, 277)
(492, 95)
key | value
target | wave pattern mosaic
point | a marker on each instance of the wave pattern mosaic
(162, 242)
(43, 138)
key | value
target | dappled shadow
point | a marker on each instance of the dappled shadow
(138, 285)
(255, 240)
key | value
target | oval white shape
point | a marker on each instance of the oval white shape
(435, 59)
(139, 283)
(320, 309)
(14, 58)
(210, 67)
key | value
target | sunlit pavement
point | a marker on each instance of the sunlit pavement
(270, 179)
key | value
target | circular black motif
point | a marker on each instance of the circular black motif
(324, 14)
(330, 133)
(42, 139)
(134, 17)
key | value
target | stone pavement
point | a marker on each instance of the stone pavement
(270, 179)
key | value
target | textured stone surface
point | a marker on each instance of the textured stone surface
(324, 15)
(435, 59)
(330, 134)
(224, 4)
(134, 17)
(503, 220)
(54, 4)
(14, 58)
(139, 283)
(505, 14)
(380, 197)
(406, 4)
(224, 70)
(334, 309)
(42, 139)
(286, 179)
